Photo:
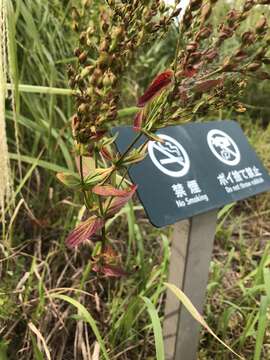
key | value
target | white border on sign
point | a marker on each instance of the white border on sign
(235, 152)
(186, 163)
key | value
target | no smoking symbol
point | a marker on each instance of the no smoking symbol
(169, 157)
(223, 147)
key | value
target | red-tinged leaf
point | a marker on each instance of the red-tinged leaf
(208, 85)
(138, 121)
(119, 202)
(106, 153)
(109, 255)
(160, 82)
(109, 190)
(110, 270)
(84, 231)
(189, 71)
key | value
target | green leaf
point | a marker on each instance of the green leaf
(97, 176)
(72, 181)
(86, 316)
(160, 355)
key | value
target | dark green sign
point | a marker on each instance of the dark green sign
(198, 168)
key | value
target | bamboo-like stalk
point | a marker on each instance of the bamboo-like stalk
(5, 178)
(35, 89)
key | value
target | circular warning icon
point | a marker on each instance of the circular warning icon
(169, 157)
(223, 147)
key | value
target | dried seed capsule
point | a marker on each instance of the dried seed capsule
(87, 3)
(77, 52)
(70, 70)
(109, 79)
(83, 57)
(104, 59)
(75, 26)
(261, 25)
(248, 38)
(192, 46)
(87, 71)
(75, 14)
(266, 61)
(204, 33)
(83, 37)
(195, 4)
(104, 46)
(83, 108)
(253, 66)
(248, 5)
(260, 53)
(206, 12)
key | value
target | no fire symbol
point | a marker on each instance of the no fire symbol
(223, 147)
(169, 157)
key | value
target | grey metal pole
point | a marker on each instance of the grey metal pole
(191, 251)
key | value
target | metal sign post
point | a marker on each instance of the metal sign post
(191, 250)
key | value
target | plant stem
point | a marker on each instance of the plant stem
(82, 183)
(137, 138)
(100, 205)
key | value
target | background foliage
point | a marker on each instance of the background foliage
(36, 269)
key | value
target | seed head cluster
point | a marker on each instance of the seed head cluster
(108, 46)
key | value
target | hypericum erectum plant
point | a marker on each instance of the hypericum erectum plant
(200, 79)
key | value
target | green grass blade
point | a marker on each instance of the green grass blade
(160, 355)
(266, 276)
(87, 318)
(261, 327)
(196, 315)
(36, 352)
(44, 164)
(3, 350)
